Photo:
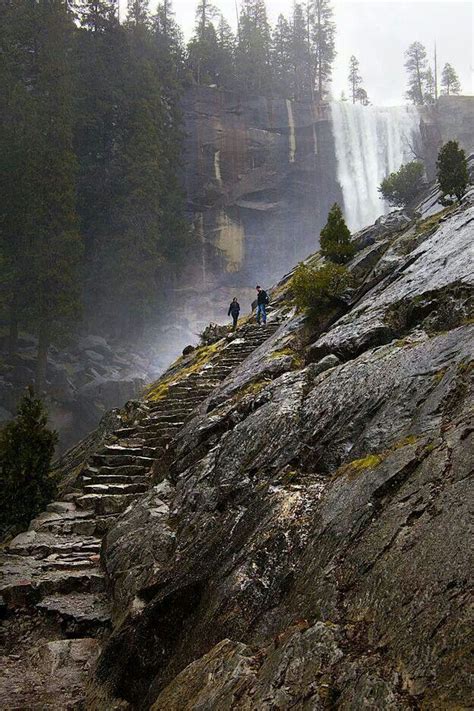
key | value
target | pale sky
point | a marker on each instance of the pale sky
(378, 33)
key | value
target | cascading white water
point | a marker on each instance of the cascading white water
(371, 142)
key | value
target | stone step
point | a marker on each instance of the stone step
(115, 488)
(194, 385)
(112, 450)
(82, 523)
(168, 408)
(164, 429)
(166, 420)
(123, 469)
(116, 479)
(99, 460)
(43, 544)
(78, 611)
(61, 507)
(69, 563)
(24, 588)
(106, 503)
(95, 526)
(161, 442)
(125, 431)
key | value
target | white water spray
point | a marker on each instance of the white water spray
(371, 142)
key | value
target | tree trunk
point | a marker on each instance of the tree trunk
(42, 360)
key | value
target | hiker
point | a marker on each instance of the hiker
(234, 310)
(262, 302)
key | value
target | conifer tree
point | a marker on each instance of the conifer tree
(97, 15)
(169, 43)
(355, 79)
(26, 449)
(402, 187)
(203, 51)
(429, 86)
(281, 57)
(416, 66)
(55, 248)
(335, 238)
(450, 83)
(254, 48)
(138, 13)
(100, 57)
(226, 44)
(16, 108)
(453, 176)
(301, 58)
(323, 32)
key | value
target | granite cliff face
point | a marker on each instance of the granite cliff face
(283, 521)
(260, 176)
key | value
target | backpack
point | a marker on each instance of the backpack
(266, 299)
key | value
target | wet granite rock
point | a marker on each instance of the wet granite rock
(306, 553)
(438, 264)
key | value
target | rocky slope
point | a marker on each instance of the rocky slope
(283, 522)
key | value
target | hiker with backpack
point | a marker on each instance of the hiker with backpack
(234, 310)
(262, 303)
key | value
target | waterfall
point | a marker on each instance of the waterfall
(292, 135)
(371, 141)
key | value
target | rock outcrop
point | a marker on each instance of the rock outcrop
(306, 552)
(284, 521)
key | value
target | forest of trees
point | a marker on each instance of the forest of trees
(292, 60)
(92, 218)
(422, 79)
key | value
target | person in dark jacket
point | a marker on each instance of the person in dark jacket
(234, 310)
(262, 303)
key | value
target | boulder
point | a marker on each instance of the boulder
(96, 344)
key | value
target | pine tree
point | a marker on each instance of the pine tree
(358, 93)
(449, 81)
(254, 48)
(453, 175)
(355, 79)
(429, 86)
(319, 291)
(203, 50)
(16, 108)
(323, 32)
(138, 13)
(169, 43)
(402, 187)
(416, 66)
(301, 59)
(55, 248)
(26, 449)
(226, 44)
(97, 15)
(100, 58)
(335, 239)
(281, 57)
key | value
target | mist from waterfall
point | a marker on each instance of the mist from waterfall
(371, 141)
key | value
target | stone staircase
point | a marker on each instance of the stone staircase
(54, 567)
